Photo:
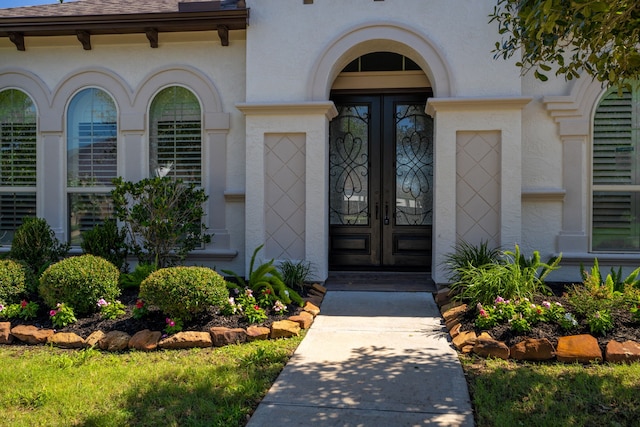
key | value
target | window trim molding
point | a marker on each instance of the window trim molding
(574, 115)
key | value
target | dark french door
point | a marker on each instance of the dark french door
(381, 186)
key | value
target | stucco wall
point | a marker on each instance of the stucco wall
(123, 66)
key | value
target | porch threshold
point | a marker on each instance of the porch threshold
(380, 281)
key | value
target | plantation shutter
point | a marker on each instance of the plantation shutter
(175, 143)
(17, 161)
(616, 173)
(92, 161)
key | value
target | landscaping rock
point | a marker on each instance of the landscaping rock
(313, 299)
(187, 339)
(257, 333)
(533, 349)
(465, 338)
(625, 352)
(303, 319)
(311, 308)
(66, 340)
(5, 333)
(114, 341)
(443, 297)
(94, 339)
(454, 313)
(449, 306)
(488, 347)
(319, 288)
(222, 336)
(31, 335)
(578, 348)
(455, 330)
(284, 329)
(145, 340)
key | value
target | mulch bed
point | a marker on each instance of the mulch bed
(154, 321)
(624, 326)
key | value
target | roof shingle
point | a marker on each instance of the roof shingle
(96, 7)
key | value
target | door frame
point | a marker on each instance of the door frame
(385, 240)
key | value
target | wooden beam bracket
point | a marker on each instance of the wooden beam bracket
(223, 33)
(152, 36)
(85, 38)
(18, 40)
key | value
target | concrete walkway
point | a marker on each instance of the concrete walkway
(371, 359)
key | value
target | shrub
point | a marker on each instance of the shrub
(182, 292)
(79, 282)
(162, 216)
(295, 274)
(134, 279)
(17, 281)
(266, 277)
(514, 277)
(34, 242)
(106, 240)
(465, 254)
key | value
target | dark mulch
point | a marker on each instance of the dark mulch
(155, 320)
(624, 326)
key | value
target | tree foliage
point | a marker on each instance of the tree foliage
(600, 37)
(162, 216)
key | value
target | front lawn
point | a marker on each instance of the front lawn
(506, 393)
(44, 386)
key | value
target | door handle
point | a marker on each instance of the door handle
(386, 213)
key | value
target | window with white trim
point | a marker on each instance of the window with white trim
(175, 140)
(17, 161)
(616, 173)
(91, 159)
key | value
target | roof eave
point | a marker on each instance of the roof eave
(16, 28)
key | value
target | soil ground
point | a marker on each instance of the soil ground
(624, 326)
(155, 320)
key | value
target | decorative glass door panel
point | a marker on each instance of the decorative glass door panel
(380, 177)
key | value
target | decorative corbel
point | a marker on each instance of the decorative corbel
(223, 33)
(18, 40)
(85, 38)
(152, 36)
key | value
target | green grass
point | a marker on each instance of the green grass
(505, 393)
(44, 386)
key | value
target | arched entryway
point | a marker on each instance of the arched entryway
(381, 166)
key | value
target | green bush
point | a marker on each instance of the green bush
(162, 217)
(36, 244)
(512, 277)
(80, 282)
(17, 281)
(182, 292)
(134, 279)
(265, 279)
(106, 240)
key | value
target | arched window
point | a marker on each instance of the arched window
(175, 140)
(17, 161)
(91, 159)
(616, 172)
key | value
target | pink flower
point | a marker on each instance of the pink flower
(167, 320)
(52, 313)
(23, 303)
(172, 323)
(102, 302)
(483, 313)
(546, 304)
(139, 304)
(499, 300)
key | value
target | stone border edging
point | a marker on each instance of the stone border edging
(582, 348)
(146, 340)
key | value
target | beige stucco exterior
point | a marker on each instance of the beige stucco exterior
(272, 84)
